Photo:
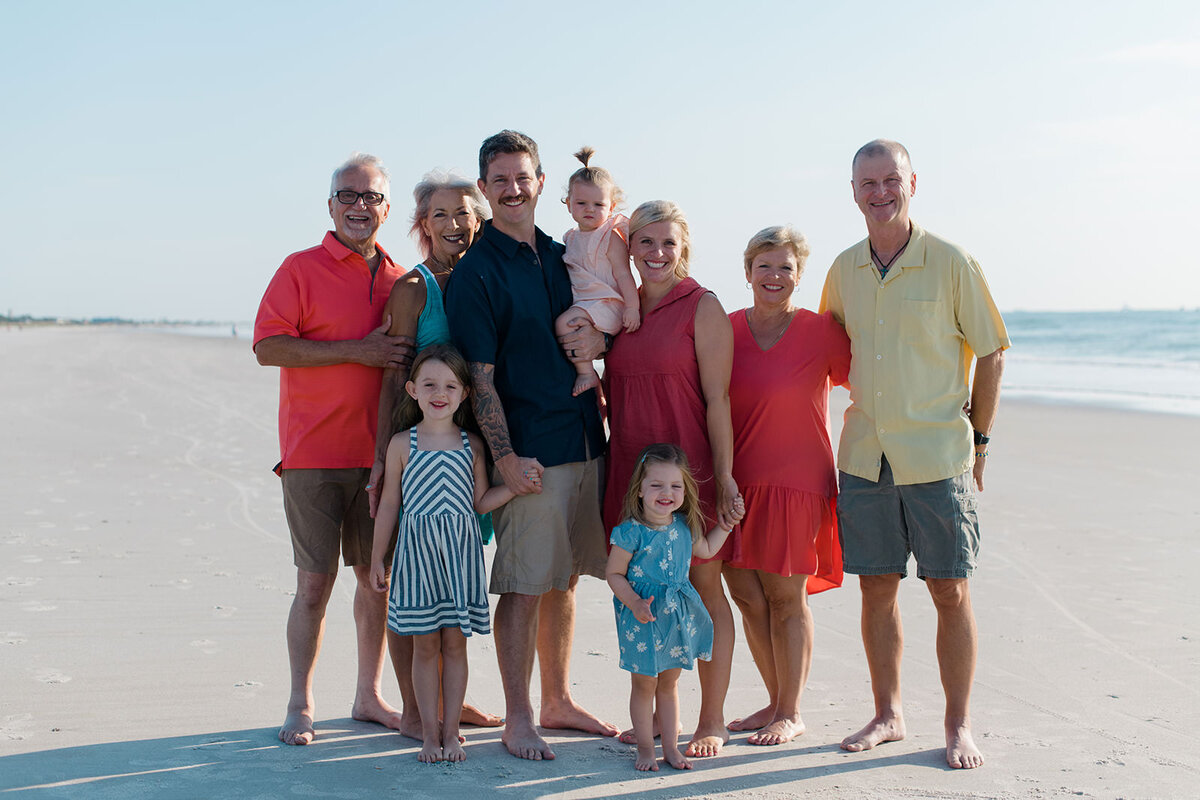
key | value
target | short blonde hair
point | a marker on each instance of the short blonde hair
(664, 211)
(777, 236)
(595, 176)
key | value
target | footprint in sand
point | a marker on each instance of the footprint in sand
(53, 676)
(206, 646)
(13, 637)
(37, 605)
(11, 581)
(224, 611)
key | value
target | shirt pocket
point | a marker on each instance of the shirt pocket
(920, 321)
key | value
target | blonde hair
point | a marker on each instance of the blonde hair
(778, 236)
(664, 453)
(596, 176)
(664, 211)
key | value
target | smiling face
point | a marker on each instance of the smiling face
(590, 205)
(356, 225)
(512, 187)
(773, 275)
(656, 249)
(451, 225)
(437, 390)
(883, 185)
(661, 492)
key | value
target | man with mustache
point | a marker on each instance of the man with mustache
(918, 312)
(547, 445)
(320, 322)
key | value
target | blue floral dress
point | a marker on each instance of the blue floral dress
(682, 630)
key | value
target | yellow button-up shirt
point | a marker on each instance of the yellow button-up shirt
(913, 336)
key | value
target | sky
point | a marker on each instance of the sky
(159, 160)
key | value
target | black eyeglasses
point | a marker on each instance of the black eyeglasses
(349, 198)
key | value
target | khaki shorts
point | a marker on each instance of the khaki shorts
(327, 511)
(544, 539)
(881, 523)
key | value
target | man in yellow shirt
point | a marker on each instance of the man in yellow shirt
(914, 445)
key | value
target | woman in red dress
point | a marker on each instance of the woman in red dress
(785, 359)
(668, 381)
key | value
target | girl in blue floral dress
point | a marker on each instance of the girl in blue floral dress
(661, 622)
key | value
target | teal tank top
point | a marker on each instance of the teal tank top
(432, 326)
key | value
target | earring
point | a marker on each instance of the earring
(748, 286)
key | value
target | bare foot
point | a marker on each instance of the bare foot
(676, 759)
(887, 728)
(452, 748)
(646, 762)
(570, 716)
(707, 742)
(431, 753)
(372, 708)
(778, 731)
(754, 721)
(297, 728)
(629, 737)
(961, 752)
(473, 716)
(523, 741)
(590, 380)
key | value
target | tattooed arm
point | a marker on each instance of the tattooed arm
(516, 471)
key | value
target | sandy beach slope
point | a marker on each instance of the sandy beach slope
(145, 576)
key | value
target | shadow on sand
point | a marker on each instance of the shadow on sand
(352, 759)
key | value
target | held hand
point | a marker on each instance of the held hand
(521, 475)
(641, 610)
(582, 345)
(631, 320)
(738, 512)
(727, 492)
(374, 485)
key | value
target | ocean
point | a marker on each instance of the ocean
(1136, 360)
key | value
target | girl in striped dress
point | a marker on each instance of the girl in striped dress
(437, 592)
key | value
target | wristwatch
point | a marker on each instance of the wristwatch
(981, 438)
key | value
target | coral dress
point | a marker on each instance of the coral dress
(681, 630)
(782, 454)
(652, 382)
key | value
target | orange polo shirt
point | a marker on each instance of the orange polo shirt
(326, 414)
(913, 336)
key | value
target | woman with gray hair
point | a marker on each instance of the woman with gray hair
(448, 217)
(784, 360)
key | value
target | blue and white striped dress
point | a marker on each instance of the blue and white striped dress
(438, 578)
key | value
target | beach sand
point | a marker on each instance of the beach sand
(145, 578)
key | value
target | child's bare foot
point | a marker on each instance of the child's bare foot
(629, 737)
(676, 759)
(646, 762)
(961, 752)
(707, 742)
(778, 731)
(431, 753)
(481, 719)
(585, 381)
(884, 728)
(297, 727)
(452, 748)
(568, 715)
(755, 721)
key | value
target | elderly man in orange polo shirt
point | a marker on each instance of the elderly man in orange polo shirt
(320, 321)
(918, 312)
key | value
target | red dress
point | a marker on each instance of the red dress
(782, 454)
(653, 387)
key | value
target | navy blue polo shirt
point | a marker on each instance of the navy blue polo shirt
(502, 304)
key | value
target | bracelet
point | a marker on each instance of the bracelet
(981, 455)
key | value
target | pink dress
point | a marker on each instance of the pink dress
(782, 454)
(652, 383)
(592, 283)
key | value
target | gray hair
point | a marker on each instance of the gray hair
(433, 182)
(881, 147)
(358, 159)
(777, 236)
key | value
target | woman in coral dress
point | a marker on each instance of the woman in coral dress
(785, 359)
(668, 381)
